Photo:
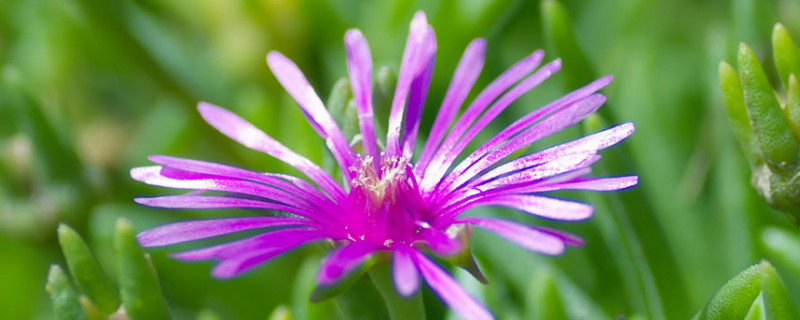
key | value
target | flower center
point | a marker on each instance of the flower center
(385, 202)
(382, 185)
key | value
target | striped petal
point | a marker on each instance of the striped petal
(201, 229)
(453, 295)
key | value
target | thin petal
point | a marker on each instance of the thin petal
(420, 47)
(192, 201)
(492, 152)
(343, 260)
(491, 92)
(550, 208)
(466, 73)
(293, 80)
(279, 240)
(359, 67)
(416, 102)
(404, 273)
(453, 295)
(288, 183)
(201, 229)
(239, 260)
(590, 184)
(250, 136)
(174, 178)
(588, 144)
(522, 235)
(501, 104)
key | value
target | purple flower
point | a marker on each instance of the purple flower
(390, 203)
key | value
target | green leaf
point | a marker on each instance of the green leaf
(783, 248)
(337, 101)
(777, 302)
(561, 38)
(785, 53)
(399, 307)
(769, 123)
(141, 292)
(741, 296)
(793, 105)
(86, 271)
(756, 311)
(733, 99)
(63, 296)
(733, 300)
(350, 126)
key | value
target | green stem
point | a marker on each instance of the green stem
(400, 308)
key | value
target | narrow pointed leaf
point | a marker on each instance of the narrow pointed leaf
(756, 310)
(337, 101)
(733, 99)
(785, 53)
(733, 300)
(141, 292)
(771, 127)
(777, 302)
(793, 105)
(63, 296)
(86, 271)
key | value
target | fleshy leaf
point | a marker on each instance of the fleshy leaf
(86, 271)
(771, 128)
(793, 105)
(63, 296)
(785, 53)
(777, 302)
(733, 99)
(141, 292)
(733, 300)
(738, 299)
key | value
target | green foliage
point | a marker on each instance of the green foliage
(756, 293)
(138, 283)
(770, 134)
(139, 287)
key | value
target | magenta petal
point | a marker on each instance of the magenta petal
(545, 207)
(192, 201)
(250, 136)
(293, 80)
(416, 102)
(444, 156)
(522, 235)
(466, 73)
(449, 290)
(343, 260)
(591, 184)
(285, 182)
(404, 273)
(419, 49)
(359, 67)
(201, 229)
(234, 260)
(440, 242)
(279, 240)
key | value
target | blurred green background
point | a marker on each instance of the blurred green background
(90, 88)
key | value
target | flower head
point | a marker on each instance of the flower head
(392, 203)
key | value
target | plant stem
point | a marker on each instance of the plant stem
(400, 308)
